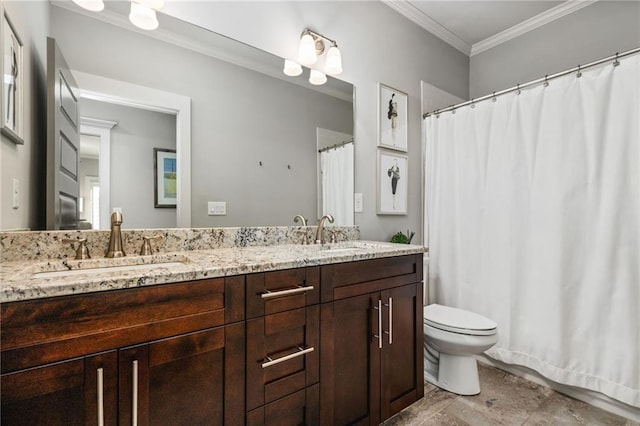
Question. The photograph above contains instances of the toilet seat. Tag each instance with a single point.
(458, 321)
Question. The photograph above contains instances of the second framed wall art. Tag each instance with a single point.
(392, 118)
(393, 182)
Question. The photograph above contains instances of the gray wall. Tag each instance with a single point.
(88, 167)
(26, 162)
(239, 119)
(377, 45)
(589, 34)
(131, 170)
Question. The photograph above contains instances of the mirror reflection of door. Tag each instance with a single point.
(62, 142)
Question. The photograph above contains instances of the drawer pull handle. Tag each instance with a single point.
(267, 294)
(379, 335)
(390, 332)
(134, 402)
(100, 385)
(301, 351)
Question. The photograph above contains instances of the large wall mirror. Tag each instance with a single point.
(245, 134)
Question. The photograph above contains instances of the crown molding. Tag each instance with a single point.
(530, 24)
(408, 10)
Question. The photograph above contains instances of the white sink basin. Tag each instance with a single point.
(67, 268)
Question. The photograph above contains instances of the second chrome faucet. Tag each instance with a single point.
(320, 231)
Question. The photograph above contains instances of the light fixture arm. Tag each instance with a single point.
(319, 40)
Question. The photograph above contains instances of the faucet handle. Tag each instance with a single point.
(146, 248)
(82, 252)
(305, 236)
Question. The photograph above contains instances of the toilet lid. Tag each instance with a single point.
(458, 320)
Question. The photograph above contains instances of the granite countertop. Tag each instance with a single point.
(33, 279)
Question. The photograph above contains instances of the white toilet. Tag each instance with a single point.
(451, 337)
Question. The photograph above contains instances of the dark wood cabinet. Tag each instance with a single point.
(371, 359)
(73, 392)
(170, 357)
(334, 345)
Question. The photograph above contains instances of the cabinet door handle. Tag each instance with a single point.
(301, 351)
(100, 387)
(299, 289)
(379, 335)
(134, 402)
(390, 332)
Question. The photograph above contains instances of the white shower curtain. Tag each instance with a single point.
(533, 221)
(336, 165)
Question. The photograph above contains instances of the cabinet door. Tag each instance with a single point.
(74, 392)
(401, 380)
(350, 361)
(192, 379)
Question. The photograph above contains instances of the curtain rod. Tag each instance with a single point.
(336, 146)
(544, 79)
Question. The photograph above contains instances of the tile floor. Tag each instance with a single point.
(505, 400)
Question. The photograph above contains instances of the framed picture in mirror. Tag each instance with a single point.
(12, 82)
(392, 118)
(393, 182)
(165, 178)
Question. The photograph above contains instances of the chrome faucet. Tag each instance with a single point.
(320, 231)
(115, 239)
(300, 218)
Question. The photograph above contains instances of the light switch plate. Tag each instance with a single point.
(357, 202)
(217, 208)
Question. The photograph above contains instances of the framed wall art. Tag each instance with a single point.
(165, 178)
(392, 118)
(12, 125)
(393, 182)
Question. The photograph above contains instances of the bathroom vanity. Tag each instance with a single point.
(285, 334)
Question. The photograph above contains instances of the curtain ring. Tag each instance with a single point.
(518, 89)
(579, 73)
(546, 81)
(616, 62)
(494, 97)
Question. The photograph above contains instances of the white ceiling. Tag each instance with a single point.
(473, 26)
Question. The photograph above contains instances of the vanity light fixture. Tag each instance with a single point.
(317, 77)
(292, 68)
(312, 45)
(143, 16)
(92, 5)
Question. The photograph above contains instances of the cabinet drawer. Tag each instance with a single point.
(282, 354)
(342, 280)
(300, 408)
(278, 291)
(41, 331)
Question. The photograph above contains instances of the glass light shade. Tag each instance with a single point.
(334, 61)
(143, 17)
(92, 5)
(317, 78)
(292, 68)
(307, 50)
(151, 4)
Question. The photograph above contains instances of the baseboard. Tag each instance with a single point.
(596, 399)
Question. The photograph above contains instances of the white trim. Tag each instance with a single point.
(409, 11)
(101, 129)
(123, 93)
(530, 24)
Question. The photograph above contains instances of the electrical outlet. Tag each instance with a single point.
(217, 208)
(357, 202)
